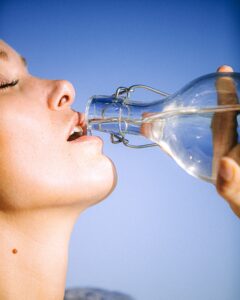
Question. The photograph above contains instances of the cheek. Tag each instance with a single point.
(25, 168)
(37, 170)
(42, 173)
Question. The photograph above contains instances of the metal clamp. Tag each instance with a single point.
(120, 138)
(127, 90)
(116, 139)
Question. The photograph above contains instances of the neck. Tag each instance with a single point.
(34, 253)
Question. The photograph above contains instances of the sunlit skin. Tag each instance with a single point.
(228, 178)
(46, 182)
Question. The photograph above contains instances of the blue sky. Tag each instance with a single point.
(162, 234)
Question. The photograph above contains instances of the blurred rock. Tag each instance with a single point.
(94, 294)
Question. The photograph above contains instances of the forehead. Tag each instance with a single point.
(8, 49)
(7, 53)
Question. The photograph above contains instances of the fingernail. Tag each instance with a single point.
(225, 68)
(226, 172)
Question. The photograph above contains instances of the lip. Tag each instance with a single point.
(78, 119)
(88, 138)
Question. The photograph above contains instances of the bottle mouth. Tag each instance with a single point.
(88, 115)
(106, 114)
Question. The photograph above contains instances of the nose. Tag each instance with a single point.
(61, 95)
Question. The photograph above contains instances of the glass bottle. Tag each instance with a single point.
(196, 126)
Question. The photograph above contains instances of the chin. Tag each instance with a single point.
(107, 182)
(110, 180)
(97, 184)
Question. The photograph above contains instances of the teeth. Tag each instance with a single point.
(77, 129)
(76, 133)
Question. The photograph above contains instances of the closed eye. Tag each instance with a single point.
(5, 85)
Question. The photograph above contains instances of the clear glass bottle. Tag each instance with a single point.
(196, 126)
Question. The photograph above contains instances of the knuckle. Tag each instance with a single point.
(223, 187)
(229, 191)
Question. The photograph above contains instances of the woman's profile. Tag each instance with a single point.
(47, 179)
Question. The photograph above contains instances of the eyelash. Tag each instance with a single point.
(5, 85)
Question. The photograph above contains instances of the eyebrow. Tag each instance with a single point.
(4, 56)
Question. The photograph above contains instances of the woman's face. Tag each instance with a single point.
(38, 166)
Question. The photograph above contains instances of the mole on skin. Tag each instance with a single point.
(14, 251)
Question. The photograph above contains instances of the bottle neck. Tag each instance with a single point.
(118, 116)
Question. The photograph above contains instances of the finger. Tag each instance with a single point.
(225, 86)
(151, 129)
(228, 183)
(146, 128)
(224, 124)
(225, 68)
(235, 154)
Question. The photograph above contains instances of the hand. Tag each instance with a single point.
(226, 149)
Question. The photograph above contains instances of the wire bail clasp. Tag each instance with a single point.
(125, 93)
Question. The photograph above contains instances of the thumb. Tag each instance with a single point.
(228, 183)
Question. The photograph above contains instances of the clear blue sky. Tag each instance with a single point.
(162, 234)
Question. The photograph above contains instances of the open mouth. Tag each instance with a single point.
(77, 127)
(76, 133)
